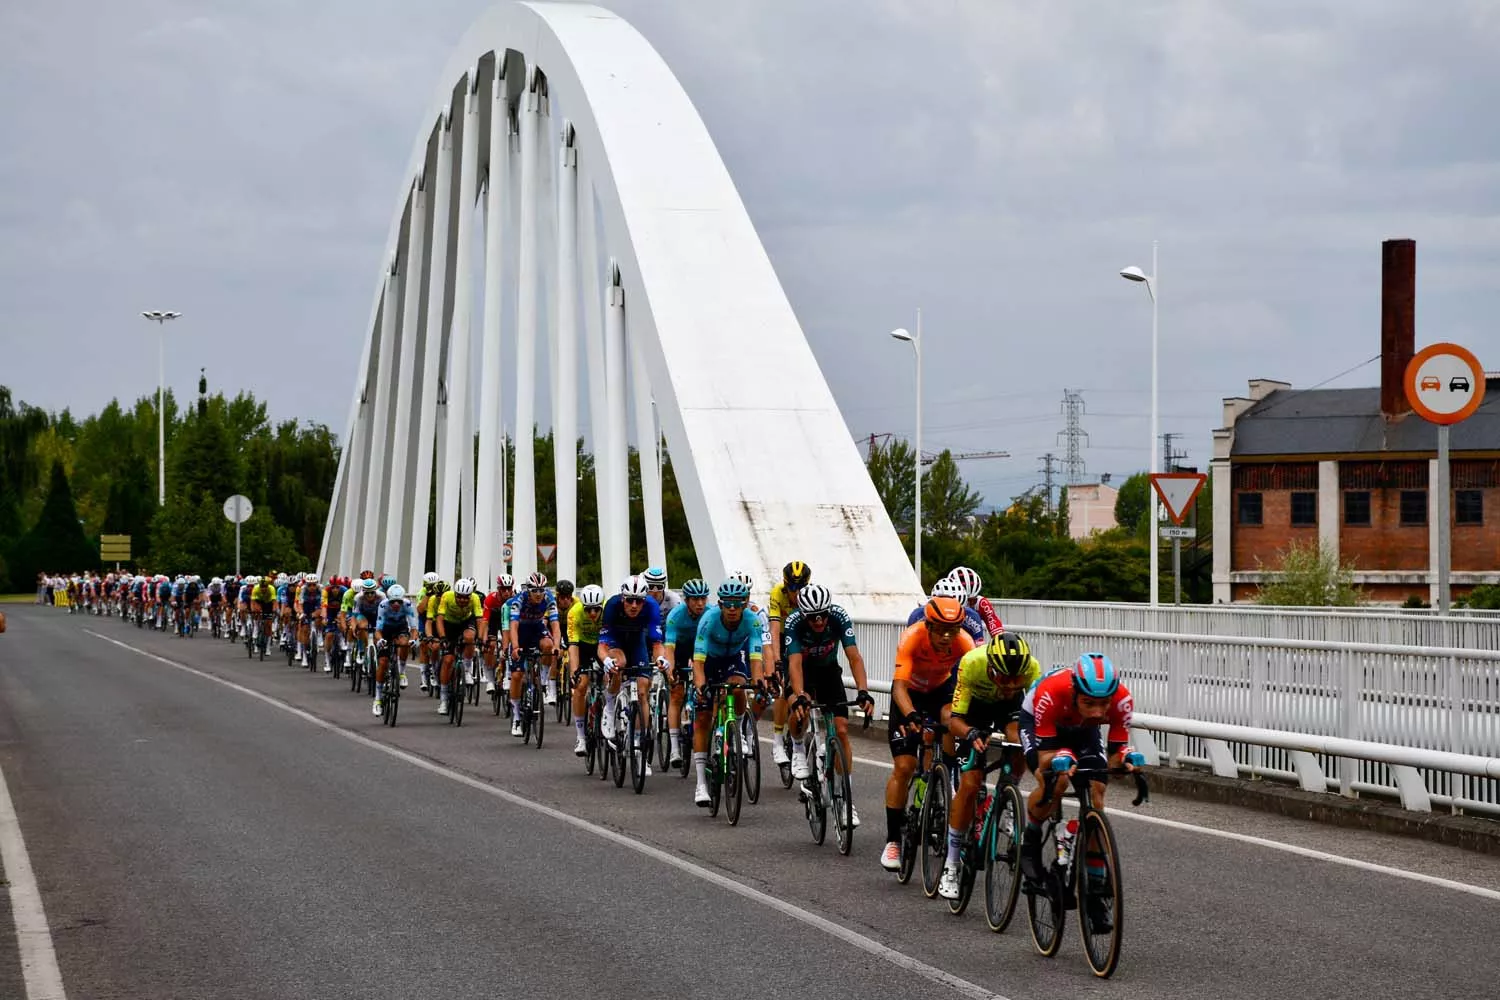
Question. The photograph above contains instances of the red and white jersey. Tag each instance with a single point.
(1050, 702)
(986, 611)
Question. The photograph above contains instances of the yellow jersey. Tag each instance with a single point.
(974, 682)
(782, 603)
(455, 610)
(581, 628)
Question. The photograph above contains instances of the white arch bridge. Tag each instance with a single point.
(567, 172)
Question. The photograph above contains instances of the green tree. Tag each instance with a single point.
(1311, 576)
(948, 504)
(1132, 503)
(56, 542)
(1101, 569)
(890, 468)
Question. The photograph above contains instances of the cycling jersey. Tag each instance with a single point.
(347, 605)
(975, 685)
(818, 649)
(497, 609)
(281, 594)
(631, 635)
(973, 623)
(456, 610)
(922, 667)
(715, 638)
(367, 604)
(311, 599)
(781, 604)
(401, 614)
(263, 593)
(582, 628)
(524, 613)
(333, 598)
(682, 628)
(1050, 713)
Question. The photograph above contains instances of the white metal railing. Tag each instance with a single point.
(1403, 627)
(1419, 700)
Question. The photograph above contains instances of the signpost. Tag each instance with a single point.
(114, 548)
(1177, 490)
(238, 509)
(1444, 385)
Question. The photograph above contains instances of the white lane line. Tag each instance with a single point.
(866, 944)
(1275, 845)
(39, 969)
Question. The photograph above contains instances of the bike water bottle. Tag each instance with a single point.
(981, 812)
(1065, 841)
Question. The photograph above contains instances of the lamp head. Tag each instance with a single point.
(1133, 273)
(901, 333)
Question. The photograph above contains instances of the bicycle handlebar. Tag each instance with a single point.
(1097, 775)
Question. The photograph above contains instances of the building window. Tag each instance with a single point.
(1304, 509)
(1250, 508)
(1413, 508)
(1357, 508)
(1468, 506)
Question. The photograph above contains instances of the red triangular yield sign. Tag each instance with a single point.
(1177, 490)
(545, 551)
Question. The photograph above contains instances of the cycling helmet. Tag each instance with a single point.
(506, 582)
(1007, 655)
(949, 587)
(250, 581)
(695, 588)
(814, 599)
(734, 590)
(968, 579)
(536, 581)
(216, 582)
(564, 588)
(655, 576)
(396, 593)
(633, 586)
(592, 596)
(429, 579)
(1094, 676)
(387, 582)
(368, 585)
(367, 574)
(282, 580)
(311, 579)
(463, 587)
(796, 574)
(943, 611)
(740, 575)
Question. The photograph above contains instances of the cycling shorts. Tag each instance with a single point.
(1086, 742)
(718, 669)
(455, 631)
(390, 631)
(825, 686)
(929, 705)
(529, 634)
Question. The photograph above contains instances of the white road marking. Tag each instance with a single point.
(39, 971)
(1275, 845)
(866, 944)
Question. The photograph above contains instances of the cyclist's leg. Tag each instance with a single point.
(580, 692)
(676, 698)
(549, 658)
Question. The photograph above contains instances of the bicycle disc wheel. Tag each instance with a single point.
(1001, 852)
(734, 775)
(840, 798)
(1096, 839)
(1045, 910)
(636, 747)
(934, 830)
(751, 759)
(816, 804)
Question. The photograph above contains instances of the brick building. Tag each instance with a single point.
(1352, 469)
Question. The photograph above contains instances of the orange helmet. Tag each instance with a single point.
(944, 611)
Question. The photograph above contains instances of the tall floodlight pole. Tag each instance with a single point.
(160, 317)
(916, 343)
(1135, 274)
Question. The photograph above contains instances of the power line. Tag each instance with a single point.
(1047, 461)
(1075, 436)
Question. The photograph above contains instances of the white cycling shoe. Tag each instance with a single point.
(778, 752)
(800, 770)
(580, 748)
(701, 796)
(890, 858)
(948, 884)
(376, 709)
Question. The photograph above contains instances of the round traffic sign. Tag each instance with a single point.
(506, 552)
(1444, 383)
(238, 508)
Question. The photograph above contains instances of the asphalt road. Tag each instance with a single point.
(192, 840)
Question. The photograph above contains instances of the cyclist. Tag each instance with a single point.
(630, 640)
(427, 610)
(992, 681)
(216, 602)
(333, 600)
(459, 616)
(192, 600)
(927, 656)
(420, 602)
(1061, 720)
(975, 600)
(533, 625)
(364, 608)
(262, 602)
(782, 602)
(397, 627)
(681, 633)
(727, 644)
(949, 587)
(814, 634)
(584, 620)
(309, 607)
(656, 587)
(284, 603)
(497, 623)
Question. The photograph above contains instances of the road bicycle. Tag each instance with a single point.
(533, 714)
(390, 691)
(992, 842)
(725, 769)
(595, 750)
(1097, 894)
(925, 827)
(826, 789)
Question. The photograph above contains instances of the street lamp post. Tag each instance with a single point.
(916, 343)
(1151, 281)
(160, 317)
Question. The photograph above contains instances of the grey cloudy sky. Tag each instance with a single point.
(993, 161)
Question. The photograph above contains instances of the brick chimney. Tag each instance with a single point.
(1398, 322)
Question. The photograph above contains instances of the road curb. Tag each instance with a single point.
(1471, 833)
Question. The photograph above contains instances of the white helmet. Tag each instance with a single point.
(740, 575)
(396, 593)
(463, 587)
(506, 582)
(949, 587)
(428, 579)
(217, 581)
(252, 580)
(311, 579)
(968, 579)
(591, 596)
(368, 585)
(281, 579)
(633, 586)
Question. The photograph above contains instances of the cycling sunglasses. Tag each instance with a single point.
(732, 605)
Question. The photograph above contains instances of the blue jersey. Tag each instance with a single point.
(244, 593)
(632, 635)
(717, 639)
(281, 594)
(523, 612)
(682, 627)
(312, 598)
(403, 613)
(973, 624)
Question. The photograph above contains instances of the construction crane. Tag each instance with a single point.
(961, 456)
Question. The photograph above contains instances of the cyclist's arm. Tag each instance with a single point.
(857, 668)
(901, 697)
(794, 673)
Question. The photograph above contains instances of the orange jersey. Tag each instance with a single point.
(922, 667)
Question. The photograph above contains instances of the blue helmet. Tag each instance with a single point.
(1094, 676)
(695, 588)
(655, 576)
(734, 590)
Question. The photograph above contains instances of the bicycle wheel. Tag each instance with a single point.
(526, 712)
(497, 696)
(814, 802)
(967, 856)
(1001, 851)
(1045, 910)
(840, 796)
(734, 775)
(635, 745)
(750, 737)
(590, 734)
(312, 655)
(1100, 898)
(662, 730)
(715, 773)
(564, 702)
(617, 748)
(539, 715)
(934, 830)
(356, 664)
(911, 828)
